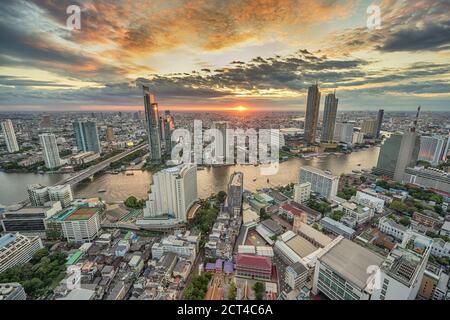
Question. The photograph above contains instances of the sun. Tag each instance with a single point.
(240, 108)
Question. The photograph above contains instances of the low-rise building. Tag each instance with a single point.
(302, 192)
(254, 267)
(296, 275)
(337, 228)
(392, 228)
(12, 291)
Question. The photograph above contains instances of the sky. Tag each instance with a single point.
(216, 55)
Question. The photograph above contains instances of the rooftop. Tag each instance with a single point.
(75, 214)
(351, 261)
(301, 246)
(7, 239)
(254, 261)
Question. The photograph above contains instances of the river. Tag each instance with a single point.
(210, 180)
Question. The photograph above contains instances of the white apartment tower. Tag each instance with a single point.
(321, 182)
(50, 150)
(173, 192)
(61, 193)
(302, 192)
(10, 136)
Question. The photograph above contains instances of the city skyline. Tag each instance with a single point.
(252, 56)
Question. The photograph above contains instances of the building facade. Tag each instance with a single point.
(312, 113)
(302, 192)
(10, 136)
(86, 135)
(17, 249)
(329, 117)
(50, 150)
(152, 122)
(321, 182)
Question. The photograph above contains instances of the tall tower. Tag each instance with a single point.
(329, 117)
(409, 150)
(50, 150)
(379, 123)
(86, 135)
(169, 126)
(312, 113)
(152, 121)
(10, 136)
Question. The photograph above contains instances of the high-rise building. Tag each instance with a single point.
(62, 193)
(302, 192)
(434, 149)
(86, 135)
(220, 141)
(408, 153)
(343, 132)
(369, 127)
(152, 122)
(10, 136)
(387, 159)
(110, 134)
(50, 150)
(168, 127)
(173, 192)
(321, 182)
(312, 113)
(329, 117)
(380, 117)
(17, 249)
(235, 193)
(38, 194)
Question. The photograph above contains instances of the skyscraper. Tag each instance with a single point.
(312, 113)
(10, 136)
(152, 121)
(329, 117)
(50, 150)
(220, 139)
(235, 193)
(369, 127)
(409, 150)
(86, 135)
(379, 123)
(174, 190)
(387, 159)
(169, 126)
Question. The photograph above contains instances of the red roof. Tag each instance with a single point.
(246, 260)
(292, 210)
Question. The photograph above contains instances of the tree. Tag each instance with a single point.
(41, 253)
(134, 203)
(337, 215)
(258, 288)
(221, 196)
(263, 215)
(232, 292)
(405, 221)
(399, 206)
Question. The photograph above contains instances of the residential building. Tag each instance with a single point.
(152, 122)
(369, 198)
(86, 136)
(355, 214)
(408, 154)
(434, 149)
(343, 132)
(321, 182)
(62, 193)
(10, 136)
(312, 113)
(358, 138)
(329, 117)
(50, 150)
(12, 291)
(186, 246)
(370, 127)
(168, 127)
(235, 193)
(174, 191)
(38, 195)
(302, 192)
(17, 249)
(220, 142)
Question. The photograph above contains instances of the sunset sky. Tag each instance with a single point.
(217, 54)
